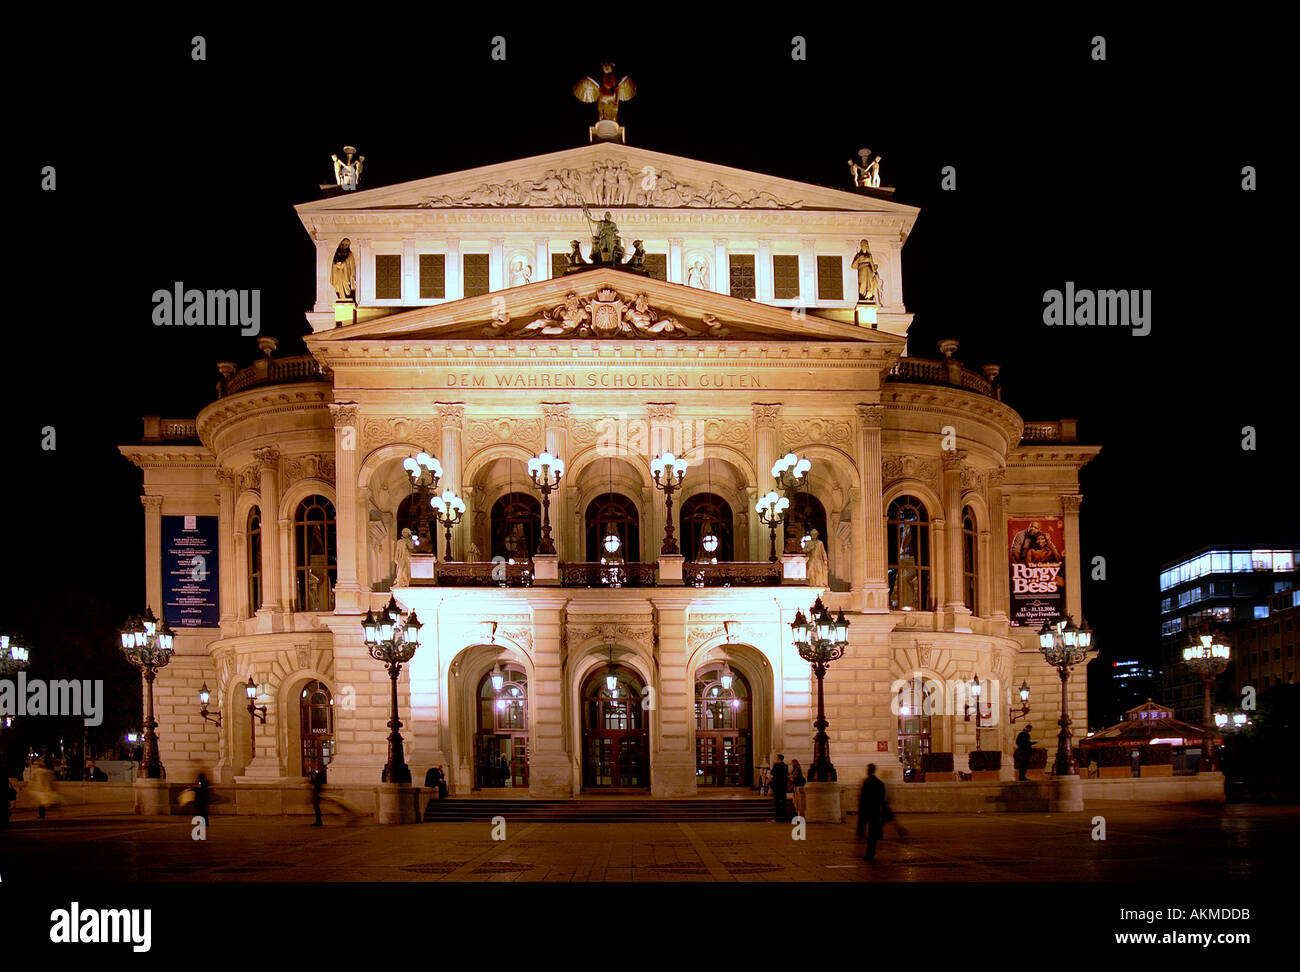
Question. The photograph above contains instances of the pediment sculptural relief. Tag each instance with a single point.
(610, 184)
(606, 314)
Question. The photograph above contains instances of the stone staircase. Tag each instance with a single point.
(637, 809)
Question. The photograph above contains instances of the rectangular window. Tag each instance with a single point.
(559, 263)
(785, 277)
(742, 276)
(433, 275)
(657, 265)
(830, 278)
(388, 276)
(475, 270)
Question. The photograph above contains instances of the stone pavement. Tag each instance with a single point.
(1144, 842)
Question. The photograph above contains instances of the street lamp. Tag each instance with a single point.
(1064, 645)
(975, 689)
(1208, 659)
(546, 471)
(448, 510)
(771, 511)
(149, 645)
(392, 637)
(820, 640)
(14, 658)
(790, 472)
(204, 696)
(668, 471)
(1015, 716)
(255, 712)
(425, 472)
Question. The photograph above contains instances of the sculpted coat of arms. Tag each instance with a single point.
(606, 314)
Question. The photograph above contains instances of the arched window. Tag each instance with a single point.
(909, 555)
(969, 561)
(613, 515)
(253, 534)
(516, 526)
(805, 514)
(316, 713)
(501, 751)
(706, 516)
(315, 564)
(408, 516)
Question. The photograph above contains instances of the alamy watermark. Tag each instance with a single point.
(1098, 308)
(208, 308)
(25, 696)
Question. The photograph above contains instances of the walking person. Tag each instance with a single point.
(1024, 746)
(871, 810)
(779, 783)
(317, 785)
(44, 792)
(442, 783)
(202, 798)
(797, 783)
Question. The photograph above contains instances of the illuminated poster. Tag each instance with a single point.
(189, 571)
(1036, 555)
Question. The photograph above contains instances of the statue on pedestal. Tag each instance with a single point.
(818, 567)
(405, 547)
(343, 272)
(347, 174)
(866, 175)
(606, 93)
(868, 274)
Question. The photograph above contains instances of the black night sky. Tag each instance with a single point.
(1120, 174)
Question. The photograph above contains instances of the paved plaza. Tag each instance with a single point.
(1164, 844)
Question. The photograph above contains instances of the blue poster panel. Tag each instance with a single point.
(189, 571)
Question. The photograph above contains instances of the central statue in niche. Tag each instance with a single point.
(606, 248)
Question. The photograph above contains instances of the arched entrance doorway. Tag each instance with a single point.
(316, 718)
(501, 743)
(723, 745)
(615, 731)
(916, 702)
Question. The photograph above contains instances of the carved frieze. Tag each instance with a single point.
(249, 478)
(908, 467)
(525, 432)
(608, 183)
(627, 633)
(312, 466)
(376, 432)
(816, 430)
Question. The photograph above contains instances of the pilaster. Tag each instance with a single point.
(1073, 556)
(871, 565)
(153, 553)
(347, 591)
(268, 468)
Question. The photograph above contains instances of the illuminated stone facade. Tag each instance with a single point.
(606, 369)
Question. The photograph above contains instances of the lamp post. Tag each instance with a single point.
(392, 637)
(975, 693)
(820, 640)
(790, 471)
(425, 472)
(1064, 645)
(771, 511)
(546, 470)
(1208, 659)
(668, 471)
(148, 645)
(255, 712)
(14, 658)
(1014, 716)
(448, 510)
(204, 696)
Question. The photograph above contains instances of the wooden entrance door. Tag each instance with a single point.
(615, 733)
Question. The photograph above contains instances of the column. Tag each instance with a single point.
(324, 263)
(1073, 559)
(870, 563)
(497, 265)
(153, 553)
(672, 769)
(999, 600)
(661, 441)
(452, 419)
(952, 460)
(721, 270)
(763, 271)
(227, 560)
(410, 272)
(347, 591)
(551, 767)
(676, 270)
(455, 287)
(268, 467)
(543, 260)
(766, 447)
(892, 299)
(555, 421)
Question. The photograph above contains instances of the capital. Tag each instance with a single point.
(152, 504)
(871, 416)
(344, 414)
(765, 416)
(952, 459)
(1070, 502)
(997, 477)
(661, 412)
(556, 413)
(266, 459)
(451, 415)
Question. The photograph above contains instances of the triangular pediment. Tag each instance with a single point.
(598, 305)
(607, 174)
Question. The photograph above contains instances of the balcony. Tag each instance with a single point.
(271, 371)
(604, 576)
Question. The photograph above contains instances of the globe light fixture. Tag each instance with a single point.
(790, 472)
(448, 509)
(545, 471)
(425, 472)
(668, 471)
(149, 645)
(392, 637)
(820, 639)
(771, 512)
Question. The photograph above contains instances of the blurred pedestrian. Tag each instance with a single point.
(797, 783)
(871, 808)
(442, 783)
(43, 790)
(1024, 746)
(779, 782)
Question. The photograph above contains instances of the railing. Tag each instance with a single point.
(276, 371)
(452, 573)
(169, 430)
(947, 372)
(590, 574)
(733, 574)
(1064, 430)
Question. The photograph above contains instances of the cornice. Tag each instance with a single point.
(782, 222)
(925, 398)
(171, 456)
(266, 400)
